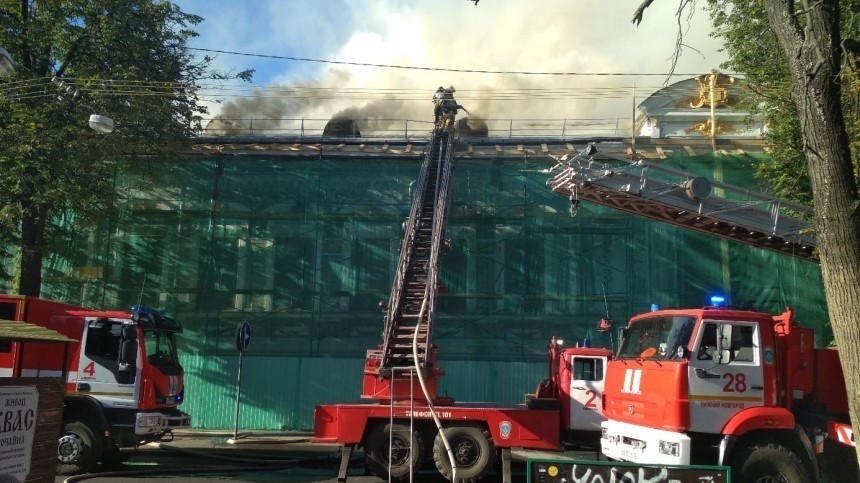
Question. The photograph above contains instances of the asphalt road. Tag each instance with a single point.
(210, 459)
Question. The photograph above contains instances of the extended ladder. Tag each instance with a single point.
(694, 202)
(413, 294)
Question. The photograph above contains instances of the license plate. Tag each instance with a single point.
(629, 454)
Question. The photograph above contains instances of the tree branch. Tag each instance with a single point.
(637, 15)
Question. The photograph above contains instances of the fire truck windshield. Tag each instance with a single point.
(161, 348)
(657, 337)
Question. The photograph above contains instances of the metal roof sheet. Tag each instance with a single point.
(22, 331)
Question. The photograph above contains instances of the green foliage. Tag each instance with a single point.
(126, 59)
(753, 49)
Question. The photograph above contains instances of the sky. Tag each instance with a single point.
(526, 50)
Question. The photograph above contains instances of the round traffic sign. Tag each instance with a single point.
(243, 336)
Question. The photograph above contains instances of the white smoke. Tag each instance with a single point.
(561, 36)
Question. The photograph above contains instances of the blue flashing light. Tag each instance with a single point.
(717, 300)
(144, 309)
(141, 309)
(655, 307)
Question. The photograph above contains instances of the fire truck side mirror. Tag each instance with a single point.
(723, 354)
(129, 332)
(127, 355)
(622, 334)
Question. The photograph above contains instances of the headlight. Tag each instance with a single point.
(608, 436)
(669, 448)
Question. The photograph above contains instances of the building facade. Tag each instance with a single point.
(300, 237)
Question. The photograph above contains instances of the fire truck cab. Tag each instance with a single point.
(727, 387)
(124, 382)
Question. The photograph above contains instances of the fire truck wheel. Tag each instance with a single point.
(768, 462)
(474, 453)
(78, 449)
(376, 449)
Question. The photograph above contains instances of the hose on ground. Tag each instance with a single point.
(248, 465)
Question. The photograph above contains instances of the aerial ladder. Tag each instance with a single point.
(695, 202)
(411, 308)
(635, 186)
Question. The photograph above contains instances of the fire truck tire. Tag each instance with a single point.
(78, 449)
(765, 462)
(474, 453)
(401, 438)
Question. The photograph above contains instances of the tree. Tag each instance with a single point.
(127, 59)
(809, 38)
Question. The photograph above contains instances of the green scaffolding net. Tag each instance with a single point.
(305, 249)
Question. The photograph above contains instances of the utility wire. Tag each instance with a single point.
(35, 89)
(437, 69)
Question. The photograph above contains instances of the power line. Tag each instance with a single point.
(440, 69)
(37, 88)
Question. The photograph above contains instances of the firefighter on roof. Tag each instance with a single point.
(437, 104)
(449, 108)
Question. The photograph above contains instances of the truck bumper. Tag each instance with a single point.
(157, 422)
(640, 444)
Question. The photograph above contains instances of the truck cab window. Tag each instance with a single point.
(708, 343)
(743, 349)
(587, 369)
(104, 341)
(657, 337)
(161, 350)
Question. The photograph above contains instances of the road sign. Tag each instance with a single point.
(243, 336)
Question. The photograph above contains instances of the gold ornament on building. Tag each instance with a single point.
(705, 128)
(713, 90)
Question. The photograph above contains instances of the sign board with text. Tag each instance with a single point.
(569, 471)
(19, 408)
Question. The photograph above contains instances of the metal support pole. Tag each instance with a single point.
(506, 465)
(633, 122)
(345, 455)
(236, 435)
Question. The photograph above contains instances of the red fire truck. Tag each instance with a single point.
(124, 381)
(396, 427)
(727, 387)
(717, 386)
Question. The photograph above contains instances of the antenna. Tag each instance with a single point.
(605, 324)
(605, 302)
(142, 285)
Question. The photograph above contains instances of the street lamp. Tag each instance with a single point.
(7, 65)
(101, 123)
